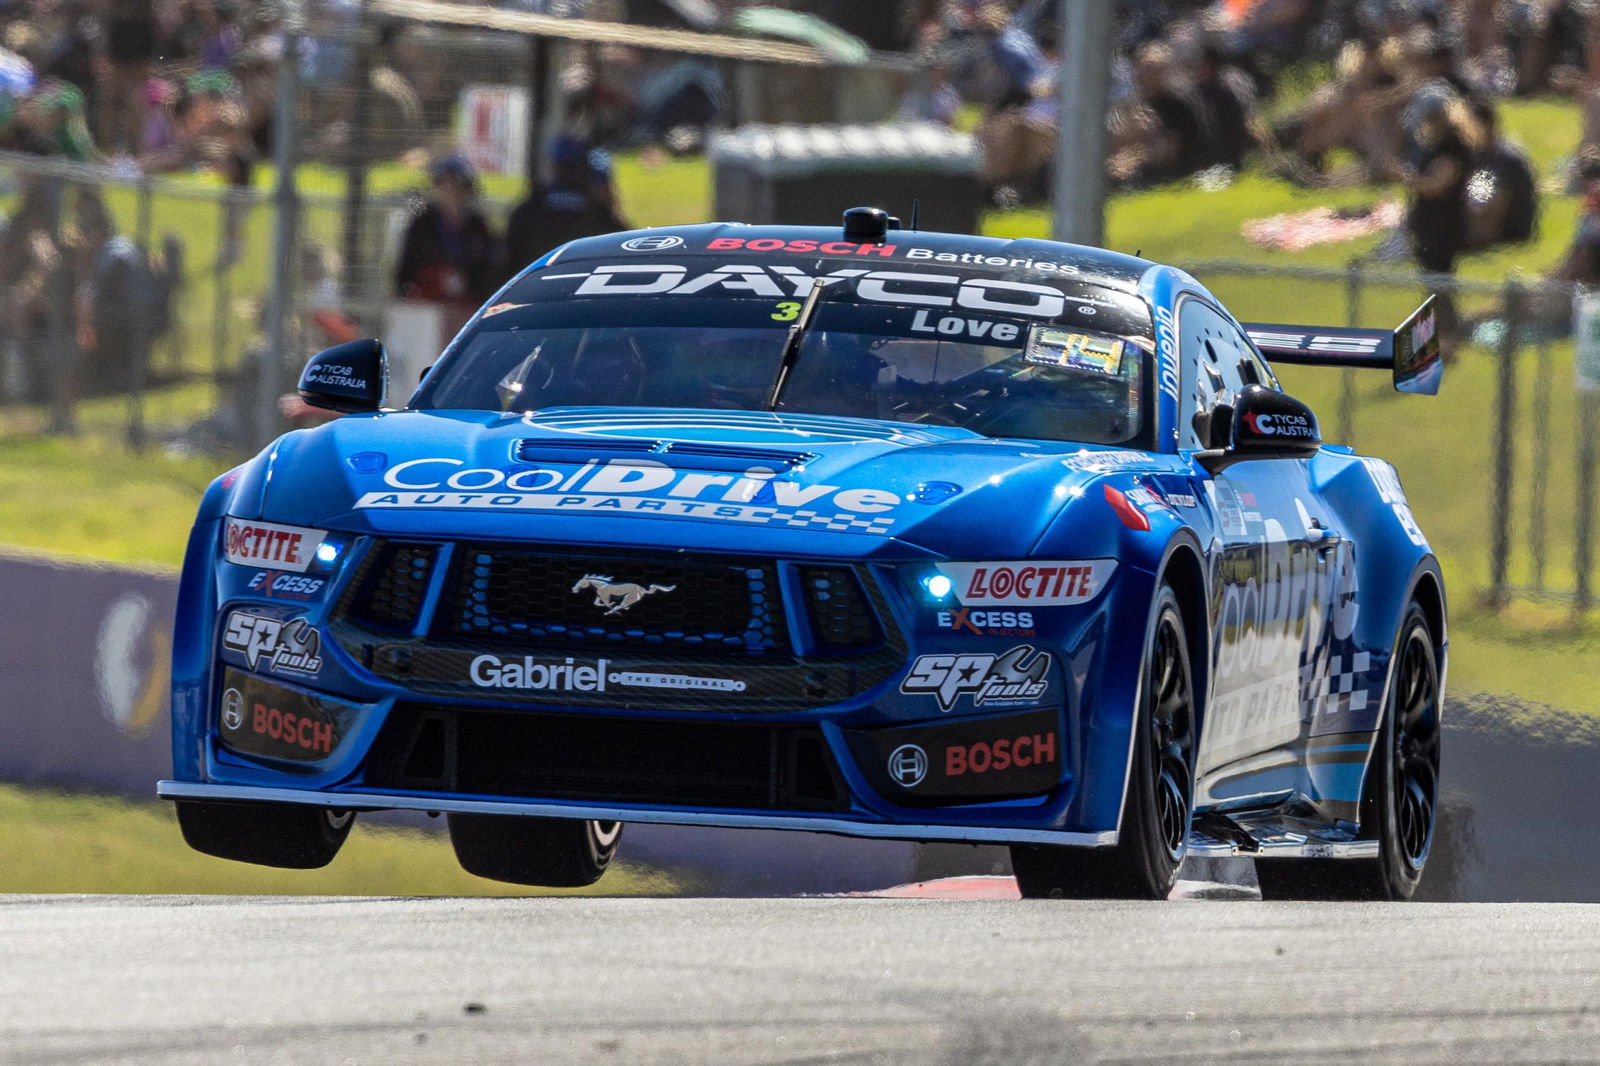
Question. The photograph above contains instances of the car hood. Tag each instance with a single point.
(696, 479)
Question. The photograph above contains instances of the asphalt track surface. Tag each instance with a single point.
(935, 982)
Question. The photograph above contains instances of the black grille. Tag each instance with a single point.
(841, 620)
(685, 605)
(605, 760)
(390, 591)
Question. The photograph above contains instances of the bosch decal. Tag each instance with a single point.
(908, 765)
(283, 647)
(270, 545)
(653, 244)
(1021, 675)
(800, 247)
(982, 757)
(1028, 583)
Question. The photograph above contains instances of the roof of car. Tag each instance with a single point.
(1024, 254)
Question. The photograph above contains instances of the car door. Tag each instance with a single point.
(1269, 581)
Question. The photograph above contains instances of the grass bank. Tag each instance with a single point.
(50, 842)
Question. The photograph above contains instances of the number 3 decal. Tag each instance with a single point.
(787, 311)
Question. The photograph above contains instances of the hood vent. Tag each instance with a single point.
(737, 457)
(560, 450)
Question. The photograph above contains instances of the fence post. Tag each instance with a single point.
(140, 331)
(1503, 429)
(1347, 376)
(1540, 466)
(286, 200)
(60, 342)
(1583, 550)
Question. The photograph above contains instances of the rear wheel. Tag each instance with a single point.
(1400, 802)
(267, 834)
(550, 852)
(1159, 805)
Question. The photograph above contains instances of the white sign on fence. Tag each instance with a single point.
(492, 127)
(1586, 340)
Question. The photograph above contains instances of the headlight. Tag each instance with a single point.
(297, 549)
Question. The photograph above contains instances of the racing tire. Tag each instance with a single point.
(266, 834)
(547, 852)
(1159, 804)
(1399, 805)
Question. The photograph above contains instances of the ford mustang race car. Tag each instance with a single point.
(865, 531)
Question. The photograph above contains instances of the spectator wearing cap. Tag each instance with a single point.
(577, 201)
(1581, 264)
(447, 255)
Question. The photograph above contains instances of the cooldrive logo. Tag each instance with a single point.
(639, 487)
(1021, 675)
(530, 675)
(269, 545)
(1028, 583)
(283, 647)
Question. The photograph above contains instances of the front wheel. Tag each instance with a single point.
(1158, 807)
(548, 852)
(267, 834)
(1399, 805)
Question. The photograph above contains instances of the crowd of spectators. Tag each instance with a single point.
(1357, 90)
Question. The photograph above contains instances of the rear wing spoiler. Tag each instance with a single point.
(1412, 351)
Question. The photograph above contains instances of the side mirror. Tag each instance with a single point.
(348, 377)
(1266, 425)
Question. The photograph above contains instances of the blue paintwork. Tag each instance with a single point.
(1292, 645)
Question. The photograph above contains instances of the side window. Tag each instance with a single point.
(1216, 362)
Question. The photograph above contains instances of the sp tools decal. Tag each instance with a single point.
(1018, 676)
(269, 545)
(616, 597)
(1029, 583)
(289, 646)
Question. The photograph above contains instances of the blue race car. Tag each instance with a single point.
(875, 532)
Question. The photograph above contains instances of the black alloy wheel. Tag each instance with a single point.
(1159, 804)
(522, 850)
(266, 834)
(1400, 804)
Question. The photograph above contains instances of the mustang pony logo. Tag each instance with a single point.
(613, 596)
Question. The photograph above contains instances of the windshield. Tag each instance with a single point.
(1056, 360)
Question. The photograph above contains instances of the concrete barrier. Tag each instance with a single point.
(84, 659)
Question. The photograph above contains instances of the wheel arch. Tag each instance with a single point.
(1183, 568)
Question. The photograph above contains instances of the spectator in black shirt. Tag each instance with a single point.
(447, 256)
(577, 201)
(1502, 195)
(1228, 108)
